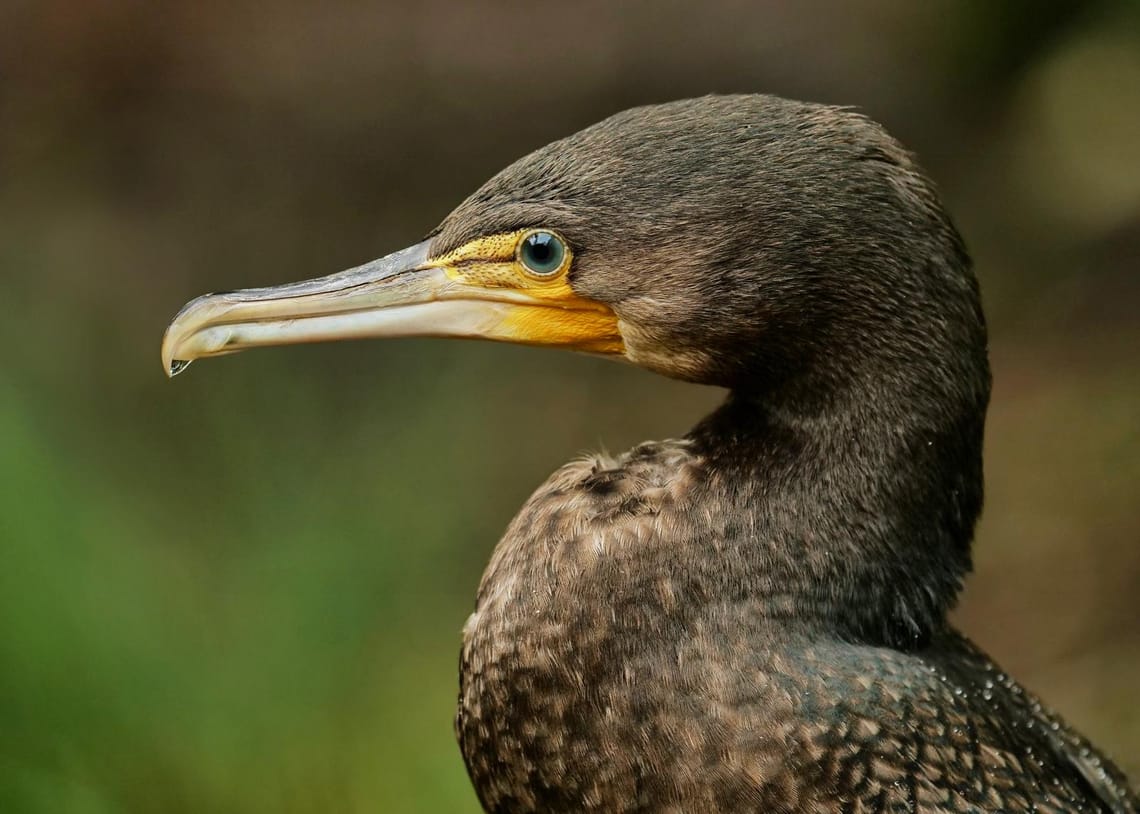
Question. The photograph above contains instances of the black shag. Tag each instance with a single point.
(751, 617)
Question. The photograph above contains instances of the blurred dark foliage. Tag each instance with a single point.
(242, 591)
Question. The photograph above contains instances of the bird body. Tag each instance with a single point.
(597, 677)
(751, 617)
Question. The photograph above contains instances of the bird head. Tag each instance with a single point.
(744, 241)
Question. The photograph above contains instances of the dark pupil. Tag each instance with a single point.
(542, 252)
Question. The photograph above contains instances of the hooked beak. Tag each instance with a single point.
(401, 295)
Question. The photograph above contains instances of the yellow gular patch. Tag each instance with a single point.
(546, 309)
(590, 331)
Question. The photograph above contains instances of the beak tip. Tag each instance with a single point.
(170, 365)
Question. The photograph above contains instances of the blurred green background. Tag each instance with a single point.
(242, 591)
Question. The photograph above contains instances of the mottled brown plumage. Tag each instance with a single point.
(752, 618)
(591, 682)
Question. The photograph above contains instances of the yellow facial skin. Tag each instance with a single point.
(555, 314)
(481, 290)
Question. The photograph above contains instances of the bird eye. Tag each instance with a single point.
(543, 253)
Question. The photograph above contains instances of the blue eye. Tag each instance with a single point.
(543, 253)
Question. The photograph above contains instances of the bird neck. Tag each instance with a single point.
(861, 514)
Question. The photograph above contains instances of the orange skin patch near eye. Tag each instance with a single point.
(547, 311)
(590, 331)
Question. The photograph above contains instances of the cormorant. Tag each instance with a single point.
(751, 617)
